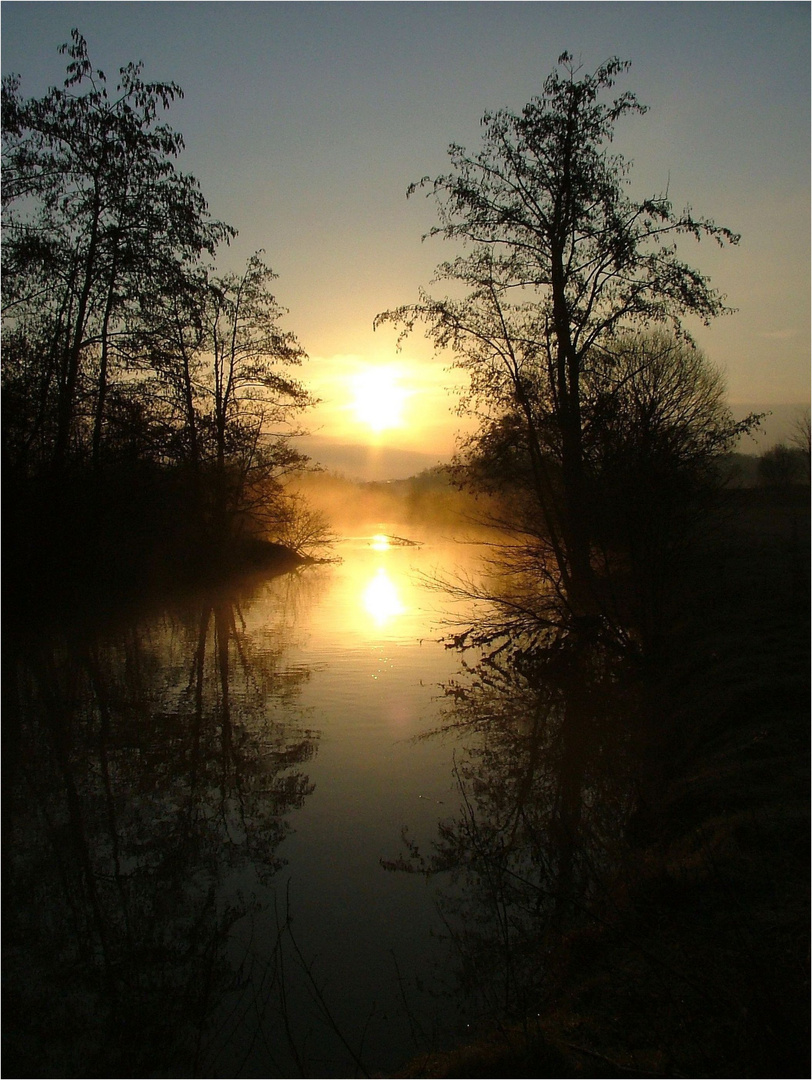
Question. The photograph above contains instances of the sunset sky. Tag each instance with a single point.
(305, 123)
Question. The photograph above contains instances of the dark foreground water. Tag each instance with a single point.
(197, 803)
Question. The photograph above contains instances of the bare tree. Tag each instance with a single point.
(559, 262)
(801, 438)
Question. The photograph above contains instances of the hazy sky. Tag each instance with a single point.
(305, 123)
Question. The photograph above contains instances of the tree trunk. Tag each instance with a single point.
(574, 526)
(101, 394)
(67, 403)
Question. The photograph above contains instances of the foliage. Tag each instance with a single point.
(782, 466)
(96, 216)
(220, 365)
(124, 353)
(657, 430)
(561, 264)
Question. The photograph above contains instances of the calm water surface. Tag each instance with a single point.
(197, 805)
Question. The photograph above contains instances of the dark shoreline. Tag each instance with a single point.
(67, 590)
(697, 960)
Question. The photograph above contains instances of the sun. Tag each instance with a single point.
(378, 399)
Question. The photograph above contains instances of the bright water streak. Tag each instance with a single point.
(368, 631)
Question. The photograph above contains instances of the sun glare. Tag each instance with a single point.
(378, 399)
(381, 599)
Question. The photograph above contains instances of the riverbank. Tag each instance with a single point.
(62, 581)
(694, 961)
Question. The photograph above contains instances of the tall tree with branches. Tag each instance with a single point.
(95, 217)
(223, 368)
(559, 263)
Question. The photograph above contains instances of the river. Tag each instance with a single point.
(199, 801)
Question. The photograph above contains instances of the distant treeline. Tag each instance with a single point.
(779, 467)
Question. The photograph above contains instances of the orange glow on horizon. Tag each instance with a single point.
(379, 401)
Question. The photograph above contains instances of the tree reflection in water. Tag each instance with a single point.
(148, 778)
(546, 778)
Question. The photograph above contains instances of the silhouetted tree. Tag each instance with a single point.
(124, 355)
(95, 217)
(250, 390)
(560, 261)
(801, 438)
(656, 427)
(781, 466)
(221, 367)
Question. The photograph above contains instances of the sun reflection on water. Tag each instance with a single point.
(380, 542)
(381, 599)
